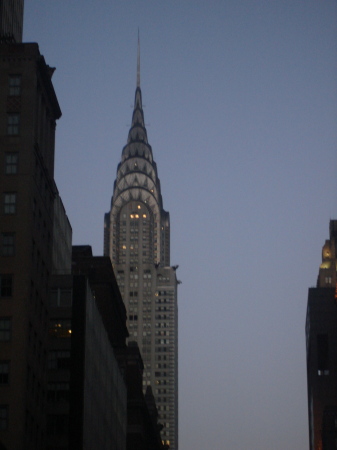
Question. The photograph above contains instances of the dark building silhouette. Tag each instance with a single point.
(11, 21)
(143, 429)
(321, 341)
(86, 390)
(29, 204)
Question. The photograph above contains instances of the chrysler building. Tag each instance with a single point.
(137, 239)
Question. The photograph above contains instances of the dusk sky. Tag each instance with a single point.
(240, 104)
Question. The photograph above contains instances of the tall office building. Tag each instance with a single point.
(29, 208)
(137, 239)
(11, 20)
(321, 341)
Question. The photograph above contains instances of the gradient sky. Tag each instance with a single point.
(241, 110)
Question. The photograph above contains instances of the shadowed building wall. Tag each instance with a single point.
(28, 113)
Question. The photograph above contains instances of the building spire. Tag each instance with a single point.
(138, 63)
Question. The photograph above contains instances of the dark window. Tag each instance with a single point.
(58, 391)
(10, 203)
(60, 298)
(8, 244)
(4, 372)
(5, 329)
(59, 359)
(57, 424)
(3, 417)
(11, 163)
(323, 354)
(6, 285)
(14, 85)
(13, 124)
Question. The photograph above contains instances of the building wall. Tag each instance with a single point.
(28, 114)
(86, 390)
(62, 239)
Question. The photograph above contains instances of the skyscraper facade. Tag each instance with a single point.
(28, 113)
(11, 20)
(137, 239)
(321, 341)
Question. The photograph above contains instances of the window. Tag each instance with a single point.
(58, 391)
(323, 354)
(59, 359)
(8, 244)
(13, 124)
(3, 417)
(10, 203)
(4, 372)
(14, 85)
(11, 163)
(6, 285)
(60, 298)
(5, 329)
(57, 424)
(60, 328)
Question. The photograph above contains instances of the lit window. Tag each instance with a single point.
(11, 163)
(138, 206)
(8, 244)
(6, 285)
(10, 203)
(13, 124)
(60, 328)
(14, 85)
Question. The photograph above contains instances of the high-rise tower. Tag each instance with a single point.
(321, 338)
(31, 211)
(137, 238)
(11, 20)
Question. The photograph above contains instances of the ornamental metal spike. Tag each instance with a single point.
(138, 62)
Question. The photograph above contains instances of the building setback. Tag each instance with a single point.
(321, 342)
(137, 239)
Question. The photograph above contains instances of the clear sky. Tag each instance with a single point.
(241, 110)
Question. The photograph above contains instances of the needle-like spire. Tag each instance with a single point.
(138, 63)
